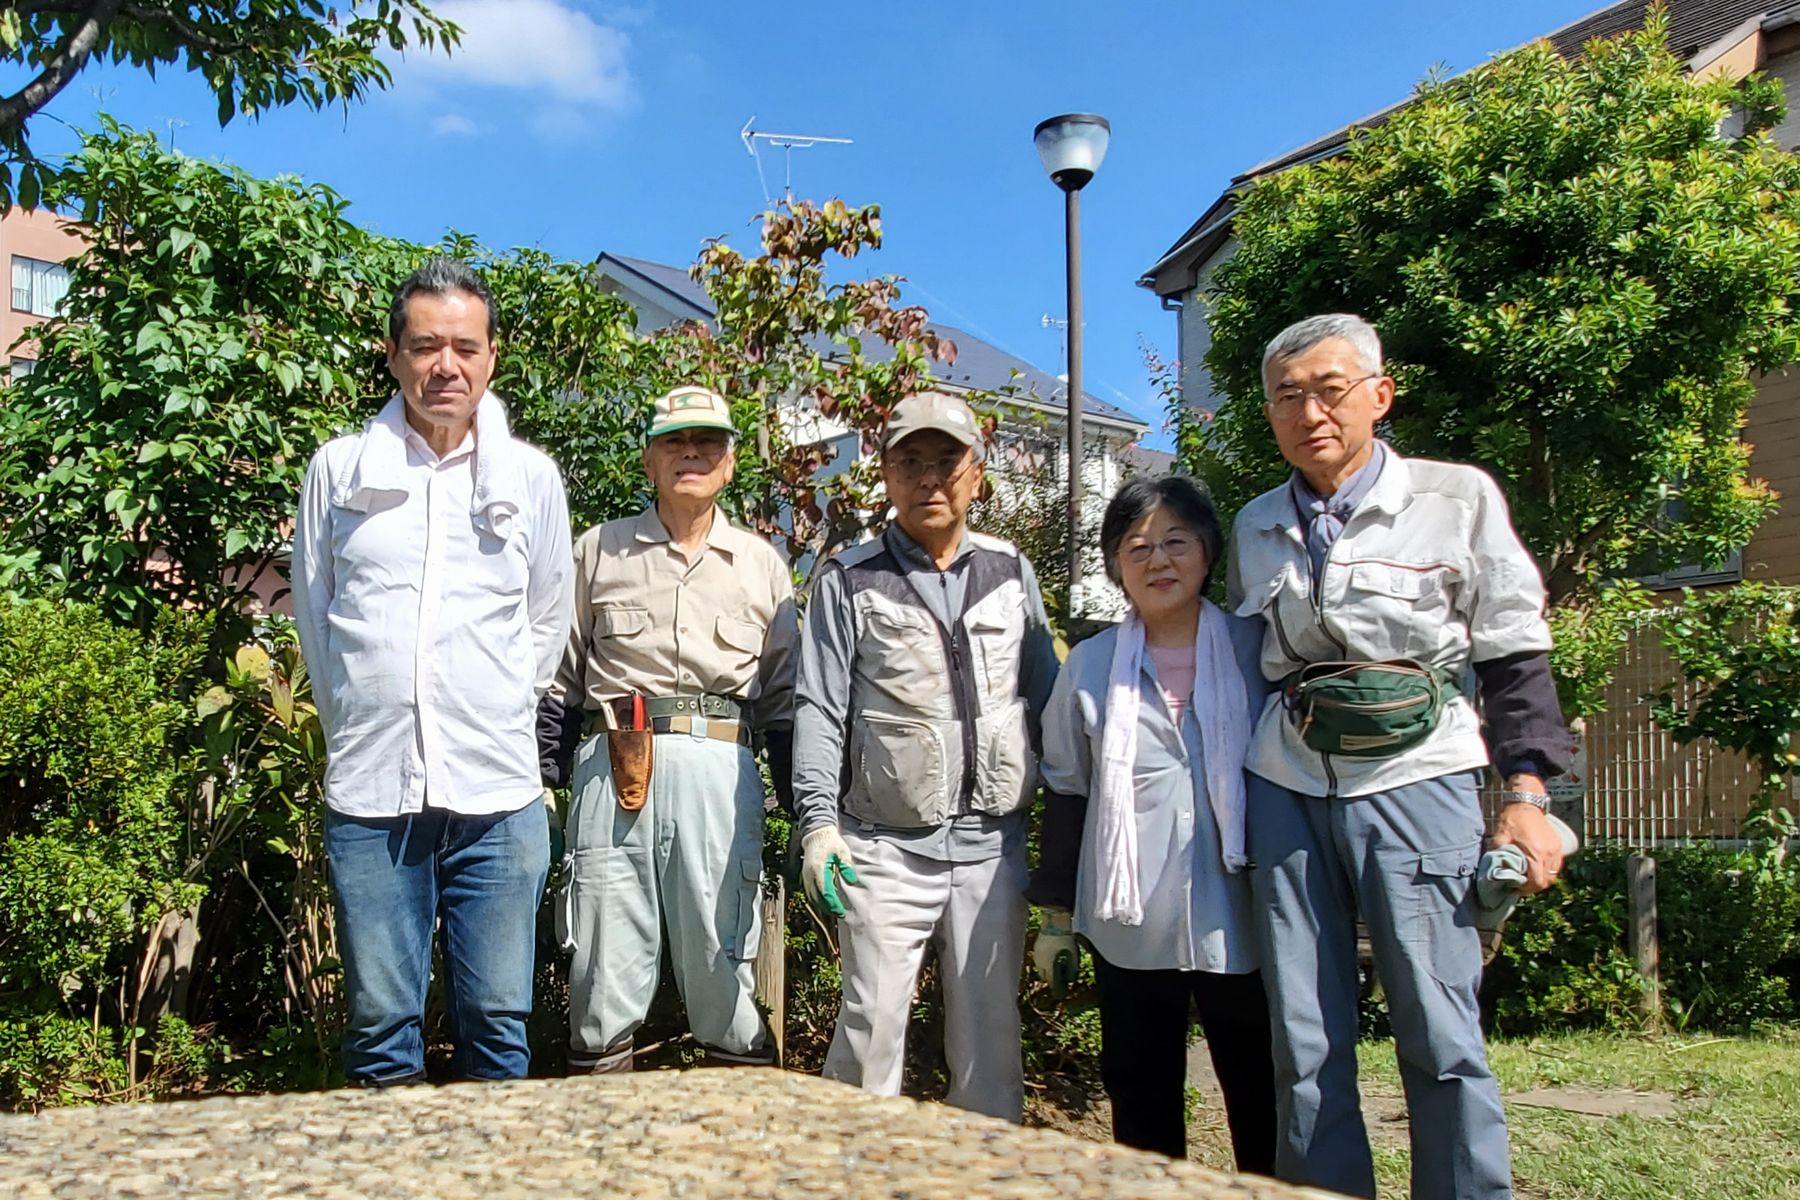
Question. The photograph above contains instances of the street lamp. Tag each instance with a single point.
(1072, 147)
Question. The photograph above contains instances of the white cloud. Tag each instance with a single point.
(455, 125)
(540, 46)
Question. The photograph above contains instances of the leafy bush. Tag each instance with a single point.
(92, 846)
(1727, 928)
(90, 833)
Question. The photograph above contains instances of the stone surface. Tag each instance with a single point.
(701, 1134)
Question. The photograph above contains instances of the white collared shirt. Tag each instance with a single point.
(433, 598)
(1427, 568)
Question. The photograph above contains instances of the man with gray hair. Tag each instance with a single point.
(432, 592)
(679, 666)
(925, 664)
(1384, 583)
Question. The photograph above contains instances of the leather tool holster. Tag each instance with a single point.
(631, 753)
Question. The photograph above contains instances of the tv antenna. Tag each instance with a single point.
(787, 143)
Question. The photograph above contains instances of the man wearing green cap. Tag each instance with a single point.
(925, 664)
(679, 663)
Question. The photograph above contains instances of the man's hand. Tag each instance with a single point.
(1527, 827)
(827, 868)
(1053, 954)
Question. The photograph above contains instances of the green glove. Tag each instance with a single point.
(827, 869)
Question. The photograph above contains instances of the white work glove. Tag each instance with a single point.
(1054, 957)
(827, 868)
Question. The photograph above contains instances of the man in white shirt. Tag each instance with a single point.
(432, 590)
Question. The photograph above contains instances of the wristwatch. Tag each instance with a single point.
(1537, 800)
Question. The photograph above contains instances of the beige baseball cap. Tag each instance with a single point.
(690, 408)
(934, 410)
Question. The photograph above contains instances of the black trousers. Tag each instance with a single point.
(1143, 1057)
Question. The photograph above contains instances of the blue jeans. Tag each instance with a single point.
(394, 879)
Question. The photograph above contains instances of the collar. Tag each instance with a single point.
(1391, 492)
(723, 536)
(381, 466)
(913, 555)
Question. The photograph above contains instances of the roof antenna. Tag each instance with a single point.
(786, 142)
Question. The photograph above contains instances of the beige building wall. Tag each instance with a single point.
(40, 237)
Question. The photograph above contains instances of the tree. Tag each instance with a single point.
(1739, 653)
(795, 352)
(218, 327)
(254, 57)
(1575, 267)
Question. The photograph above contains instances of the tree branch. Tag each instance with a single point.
(195, 37)
(1565, 576)
(63, 66)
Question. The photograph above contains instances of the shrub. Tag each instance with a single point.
(90, 833)
(1727, 931)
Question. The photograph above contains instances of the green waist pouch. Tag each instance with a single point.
(1367, 709)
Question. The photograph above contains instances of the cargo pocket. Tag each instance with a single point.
(1007, 772)
(1443, 934)
(899, 774)
(748, 935)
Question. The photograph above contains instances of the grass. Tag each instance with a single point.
(1735, 1135)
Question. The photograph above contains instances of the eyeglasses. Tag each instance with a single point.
(1290, 403)
(707, 443)
(947, 469)
(1177, 546)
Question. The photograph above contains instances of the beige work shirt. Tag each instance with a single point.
(647, 620)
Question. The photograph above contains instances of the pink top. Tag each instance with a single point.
(1175, 671)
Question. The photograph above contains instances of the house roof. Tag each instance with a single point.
(1694, 25)
(663, 280)
(979, 365)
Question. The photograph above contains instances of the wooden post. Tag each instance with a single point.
(1640, 888)
(771, 962)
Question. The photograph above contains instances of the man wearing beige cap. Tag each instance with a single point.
(680, 662)
(925, 663)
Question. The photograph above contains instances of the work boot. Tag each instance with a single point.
(614, 1061)
(716, 1057)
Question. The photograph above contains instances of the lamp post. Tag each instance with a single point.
(1071, 147)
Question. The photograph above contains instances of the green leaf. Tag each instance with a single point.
(213, 700)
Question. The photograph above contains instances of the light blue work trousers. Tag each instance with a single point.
(689, 865)
(1405, 859)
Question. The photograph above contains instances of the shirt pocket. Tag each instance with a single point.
(499, 564)
(621, 620)
(740, 645)
(1401, 608)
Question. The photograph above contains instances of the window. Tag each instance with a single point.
(38, 287)
(19, 368)
(1731, 570)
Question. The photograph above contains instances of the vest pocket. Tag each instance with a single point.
(897, 772)
(1006, 769)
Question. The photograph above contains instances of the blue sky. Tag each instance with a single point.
(583, 127)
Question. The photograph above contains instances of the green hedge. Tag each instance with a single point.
(1728, 925)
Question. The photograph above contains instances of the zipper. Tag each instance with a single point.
(1281, 636)
(963, 694)
(1381, 707)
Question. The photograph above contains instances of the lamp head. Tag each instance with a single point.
(1072, 147)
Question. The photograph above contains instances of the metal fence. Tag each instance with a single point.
(1642, 787)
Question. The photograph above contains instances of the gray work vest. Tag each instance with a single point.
(937, 725)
